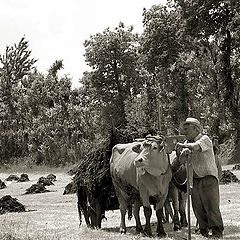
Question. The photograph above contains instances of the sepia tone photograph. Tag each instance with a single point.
(119, 119)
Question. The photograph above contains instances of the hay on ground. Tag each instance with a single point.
(23, 178)
(228, 177)
(51, 177)
(36, 188)
(44, 181)
(2, 184)
(236, 167)
(9, 204)
(12, 177)
(71, 188)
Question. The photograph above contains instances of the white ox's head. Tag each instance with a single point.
(152, 157)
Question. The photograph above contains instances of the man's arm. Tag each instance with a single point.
(191, 146)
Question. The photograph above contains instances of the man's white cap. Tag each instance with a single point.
(193, 121)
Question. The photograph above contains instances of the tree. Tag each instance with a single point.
(112, 55)
(219, 22)
(16, 63)
(161, 45)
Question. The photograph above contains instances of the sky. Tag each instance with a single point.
(57, 29)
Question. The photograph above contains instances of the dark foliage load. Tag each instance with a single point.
(12, 177)
(94, 171)
(36, 188)
(228, 177)
(9, 204)
(23, 178)
(51, 177)
(44, 181)
(71, 188)
(2, 184)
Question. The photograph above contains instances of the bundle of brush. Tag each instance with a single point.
(93, 171)
(9, 204)
(2, 184)
(228, 177)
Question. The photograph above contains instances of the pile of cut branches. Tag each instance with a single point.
(9, 204)
(93, 171)
(2, 184)
(228, 177)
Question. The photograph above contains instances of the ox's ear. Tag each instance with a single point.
(120, 149)
(137, 148)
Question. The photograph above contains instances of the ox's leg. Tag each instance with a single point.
(83, 204)
(136, 209)
(173, 192)
(123, 206)
(160, 230)
(168, 210)
(123, 211)
(182, 208)
(148, 213)
(159, 213)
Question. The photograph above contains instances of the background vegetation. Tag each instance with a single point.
(185, 63)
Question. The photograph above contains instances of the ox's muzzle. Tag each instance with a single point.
(138, 162)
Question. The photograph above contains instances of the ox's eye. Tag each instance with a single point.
(154, 148)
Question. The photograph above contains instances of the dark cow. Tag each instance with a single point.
(178, 194)
(141, 170)
(93, 206)
(90, 206)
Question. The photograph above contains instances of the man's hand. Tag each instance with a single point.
(184, 155)
(178, 149)
(185, 152)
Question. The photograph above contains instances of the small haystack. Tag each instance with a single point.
(9, 204)
(44, 181)
(23, 178)
(2, 184)
(12, 177)
(36, 188)
(236, 167)
(71, 188)
(52, 177)
(228, 177)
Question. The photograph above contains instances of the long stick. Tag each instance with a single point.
(188, 198)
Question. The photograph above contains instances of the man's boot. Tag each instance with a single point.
(204, 232)
(217, 233)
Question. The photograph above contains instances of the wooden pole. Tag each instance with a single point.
(188, 197)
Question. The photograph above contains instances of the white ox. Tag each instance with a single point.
(141, 170)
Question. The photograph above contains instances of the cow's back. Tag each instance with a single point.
(122, 167)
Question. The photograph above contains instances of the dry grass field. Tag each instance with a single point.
(54, 216)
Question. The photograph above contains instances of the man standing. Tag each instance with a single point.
(205, 191)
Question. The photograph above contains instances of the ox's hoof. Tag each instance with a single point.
(122, 230)
(139, 231)
(184, 224)
(147, 233)
(162, 235)
(176, 227)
